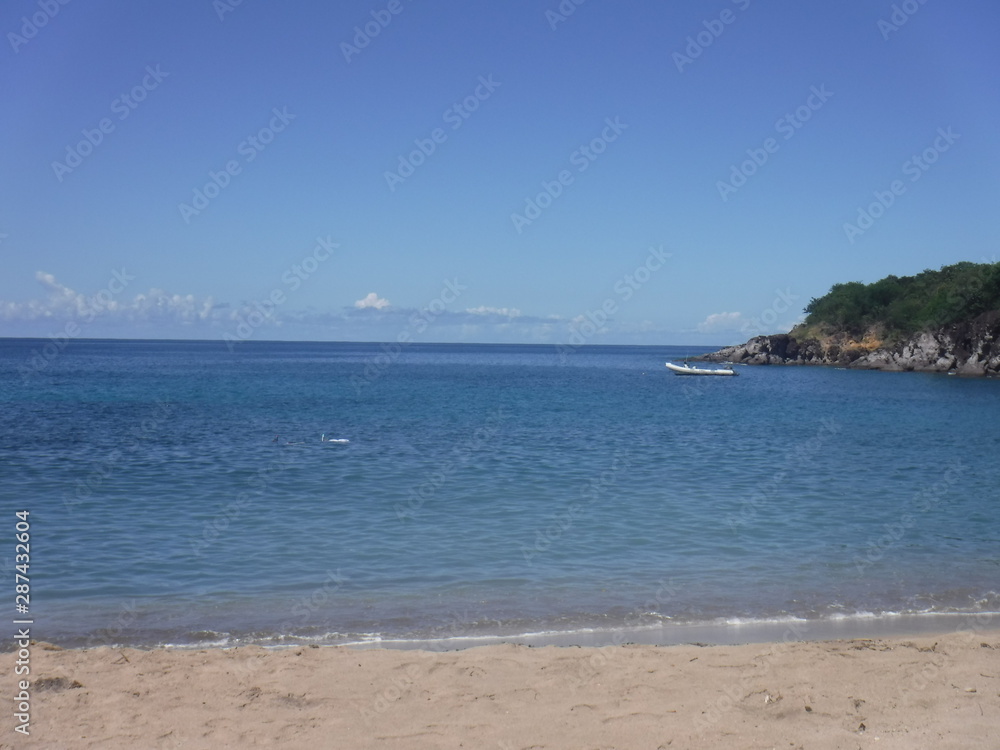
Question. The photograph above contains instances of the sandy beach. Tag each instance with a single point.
(940, 692)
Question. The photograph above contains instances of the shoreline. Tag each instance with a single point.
(727, 633)
(960, 349)
(665, 632)
(937, 689)
(730, 632)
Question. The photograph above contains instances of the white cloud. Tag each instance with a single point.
(721, 322)
(157, 304)
(109, 304)
(506, 312)
(122, 308)
(580, 321)
(372, 301)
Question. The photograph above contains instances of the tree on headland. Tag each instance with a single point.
(903, 305)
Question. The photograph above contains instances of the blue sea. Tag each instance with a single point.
(180, 492)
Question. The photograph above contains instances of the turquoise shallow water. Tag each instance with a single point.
(486, 489)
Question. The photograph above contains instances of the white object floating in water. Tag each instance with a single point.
(339, 441)
(686, 369)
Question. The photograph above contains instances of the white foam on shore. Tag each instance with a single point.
(722, 631)
(666, 632)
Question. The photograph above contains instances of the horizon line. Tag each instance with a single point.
(373, 343)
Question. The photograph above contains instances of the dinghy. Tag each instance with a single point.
(686, 369)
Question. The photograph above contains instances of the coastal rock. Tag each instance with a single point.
(778, 349)
(925, 352)
(967, 348)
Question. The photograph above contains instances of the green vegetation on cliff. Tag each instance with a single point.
(899, 306)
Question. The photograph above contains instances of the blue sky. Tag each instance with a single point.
(607, 173)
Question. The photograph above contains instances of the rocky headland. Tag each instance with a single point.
(935, 321)
(970, 347)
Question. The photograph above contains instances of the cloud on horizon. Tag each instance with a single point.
(116, 311)
(494, 312)
(62, 302)
(113, 307)
(724, 322)
(372, 301)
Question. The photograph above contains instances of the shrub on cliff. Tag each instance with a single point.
(903, 305)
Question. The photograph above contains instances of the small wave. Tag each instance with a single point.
(740, 621)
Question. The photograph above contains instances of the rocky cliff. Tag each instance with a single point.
(967, 348)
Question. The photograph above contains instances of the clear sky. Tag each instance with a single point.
(539, 172)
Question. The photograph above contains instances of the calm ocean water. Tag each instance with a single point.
(485, 490)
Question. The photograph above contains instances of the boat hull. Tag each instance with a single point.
(687, 370)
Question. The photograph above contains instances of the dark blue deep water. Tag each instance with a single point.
(485, 490)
